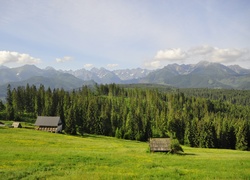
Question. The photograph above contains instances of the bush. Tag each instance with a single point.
(175, 147)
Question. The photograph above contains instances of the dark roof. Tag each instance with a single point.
(48, 121)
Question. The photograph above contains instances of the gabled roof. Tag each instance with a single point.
(16, 125)
(48, 121)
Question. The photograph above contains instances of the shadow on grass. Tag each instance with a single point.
(176, 153)
(91, 135)
(185, 154)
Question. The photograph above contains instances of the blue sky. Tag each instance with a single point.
(119, 34)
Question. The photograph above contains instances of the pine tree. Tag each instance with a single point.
(40, 101)
(70, 122)
(241, 136)
(9, 104)
(48, 103)
(2, 107)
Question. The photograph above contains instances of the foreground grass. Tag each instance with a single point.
(30, 154)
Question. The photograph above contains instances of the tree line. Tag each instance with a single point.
(239, 97)
(134, 113)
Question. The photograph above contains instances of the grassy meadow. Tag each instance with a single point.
(30, 154)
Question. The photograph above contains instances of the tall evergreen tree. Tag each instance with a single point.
(9, 104)
(70, 122)
(241, 136)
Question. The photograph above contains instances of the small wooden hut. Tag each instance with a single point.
(160, 144)
(49, 123)
(16, 125)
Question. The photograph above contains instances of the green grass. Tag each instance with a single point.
(31, 154)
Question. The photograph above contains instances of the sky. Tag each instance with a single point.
(120, 34)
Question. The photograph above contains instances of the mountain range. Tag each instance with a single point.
(201, 75)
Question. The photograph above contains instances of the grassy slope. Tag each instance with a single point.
(30, 154)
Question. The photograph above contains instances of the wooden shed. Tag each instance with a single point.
(16, 125)
(160, 144)
(49, 123)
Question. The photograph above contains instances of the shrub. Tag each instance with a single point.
(175, 147)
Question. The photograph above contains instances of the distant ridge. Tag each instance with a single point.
(201, 75)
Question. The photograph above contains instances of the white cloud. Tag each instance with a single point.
(171, 55)
(199, 53)
(88, 65)
(64, 59)
(201, 50)
(215, 54)
(112, 65)
(153, 64)
(228, 55)
(15, 57)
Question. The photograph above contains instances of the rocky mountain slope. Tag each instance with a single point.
(201, 75)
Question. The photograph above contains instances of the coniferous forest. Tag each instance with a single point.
(197, 118)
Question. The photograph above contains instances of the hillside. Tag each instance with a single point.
(30, 154)
(139, 113)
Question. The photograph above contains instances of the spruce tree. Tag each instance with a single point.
(9, 104)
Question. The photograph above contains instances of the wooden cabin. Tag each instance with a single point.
(49, 123)
(160, 144)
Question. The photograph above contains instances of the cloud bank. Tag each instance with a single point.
(15, 57)
(153, 64)
(64, 59)
(112, 65)
(199, 53)
(88, 65)
(171, 54)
